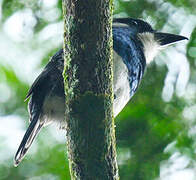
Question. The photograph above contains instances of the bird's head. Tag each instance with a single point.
(152, 40)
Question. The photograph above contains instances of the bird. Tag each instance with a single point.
(135, 44)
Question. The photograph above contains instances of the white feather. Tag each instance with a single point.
(151, 46)
(121, 84)
(53, 110)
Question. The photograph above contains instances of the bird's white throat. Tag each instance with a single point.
(151, 46)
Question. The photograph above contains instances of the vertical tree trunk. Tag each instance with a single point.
(88, 89)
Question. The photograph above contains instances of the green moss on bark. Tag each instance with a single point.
(88, 89)
(90, 129)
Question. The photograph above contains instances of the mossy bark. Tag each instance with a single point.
(88, 89)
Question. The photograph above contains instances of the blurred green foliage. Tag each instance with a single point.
(9, 7)
(16, 87)
(49, 163)
(145, 129)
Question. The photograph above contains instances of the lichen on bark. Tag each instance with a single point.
(88, 89)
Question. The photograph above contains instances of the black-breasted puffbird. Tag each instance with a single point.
(135, 44)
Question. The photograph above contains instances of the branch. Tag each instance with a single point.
(88, 88)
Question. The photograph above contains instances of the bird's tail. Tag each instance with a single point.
(32, 131)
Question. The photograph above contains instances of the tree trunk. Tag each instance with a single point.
(88, 89)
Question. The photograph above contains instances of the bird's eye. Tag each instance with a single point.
(114, 96)
(135, 23)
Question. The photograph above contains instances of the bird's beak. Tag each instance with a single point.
(167, 39)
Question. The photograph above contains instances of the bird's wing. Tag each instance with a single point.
(41, 80)
(42, 86)
(37, 92)
(54, 67)
(135, 76)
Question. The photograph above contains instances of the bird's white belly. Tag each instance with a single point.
(53, 110)
(121, 84)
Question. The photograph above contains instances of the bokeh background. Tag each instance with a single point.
(156, 132)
